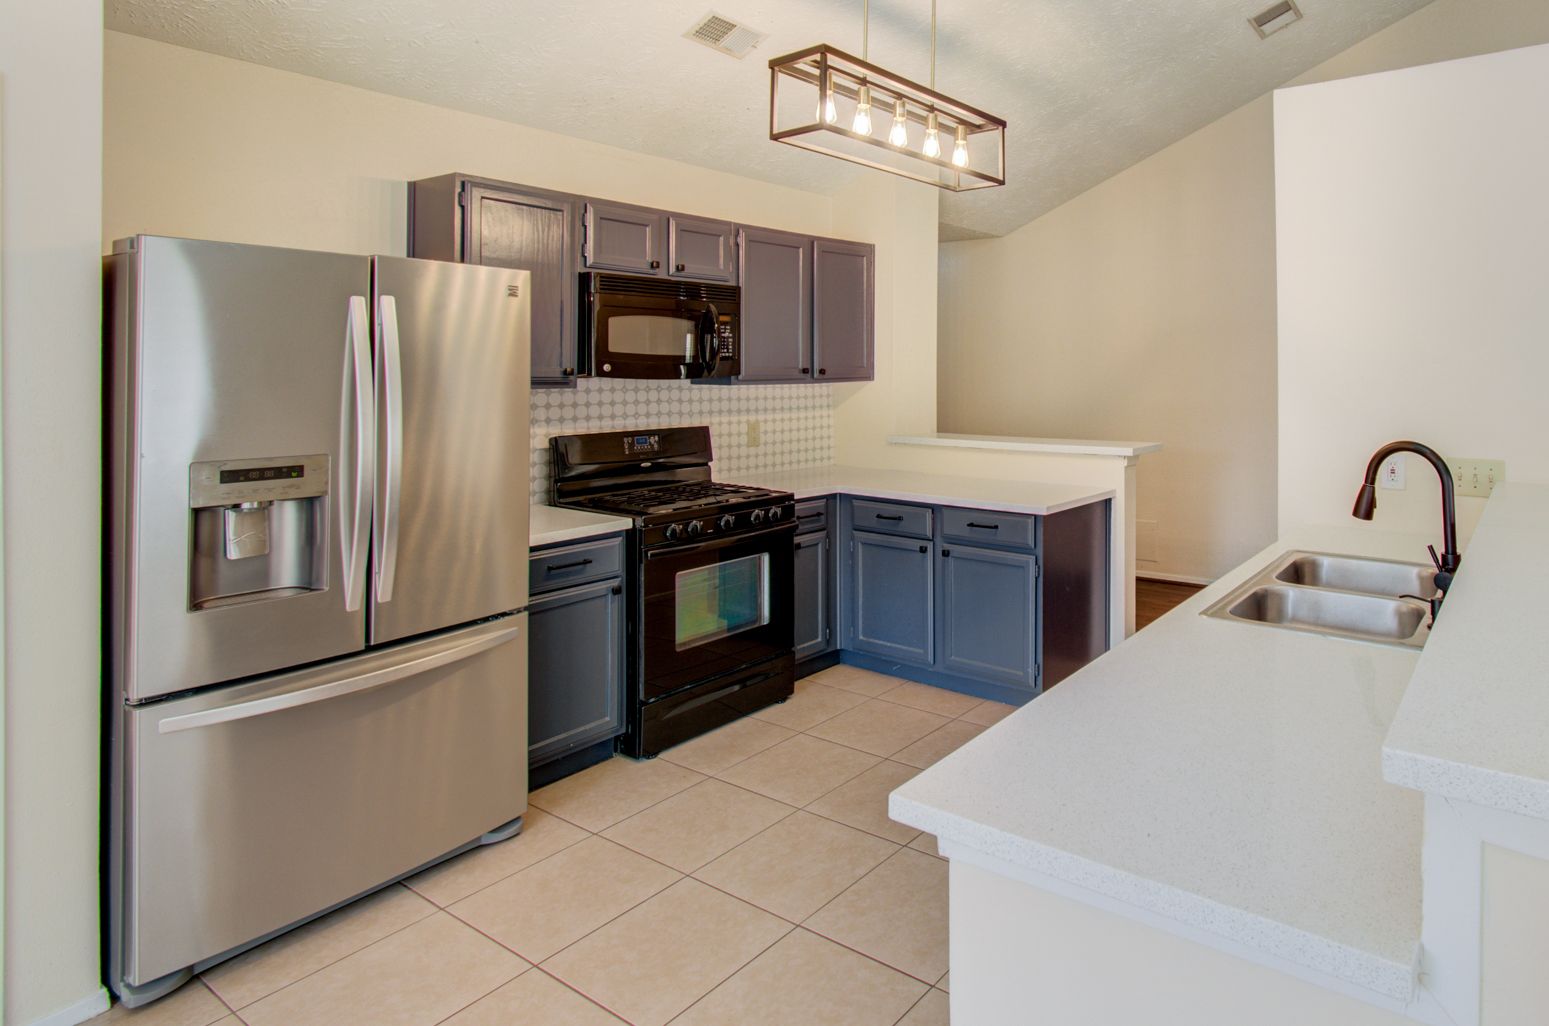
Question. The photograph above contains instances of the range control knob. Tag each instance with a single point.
(775, 514)
(695, 529)
(757, 516)
(673, 532)
(727, 522)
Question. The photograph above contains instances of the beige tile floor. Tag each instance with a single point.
(751, 876)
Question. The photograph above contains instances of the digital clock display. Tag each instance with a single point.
(256, 475)
(634, 444)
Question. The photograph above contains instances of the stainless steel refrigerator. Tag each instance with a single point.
(317, 559)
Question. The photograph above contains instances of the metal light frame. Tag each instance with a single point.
(828, 72)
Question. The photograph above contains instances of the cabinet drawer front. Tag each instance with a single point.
(1007, 530)
(892, 518)
(812, 516)
(575, 564)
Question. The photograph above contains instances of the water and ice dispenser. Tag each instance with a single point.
(260, 529)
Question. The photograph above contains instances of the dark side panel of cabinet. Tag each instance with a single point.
(776, 310)
(620, 238)
(989, 603)
(842, 310)
(814, 596)
(510, 229)
(893, 611)
(575, 669)
(1074, 616)
(703, 250)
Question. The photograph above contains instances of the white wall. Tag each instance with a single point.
(1146, 308)
(1413, 226)
(50, 283)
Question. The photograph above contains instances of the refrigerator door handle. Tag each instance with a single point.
(332, 686)
(357, 424)
(390, 476)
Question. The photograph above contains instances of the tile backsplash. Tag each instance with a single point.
(795, 422)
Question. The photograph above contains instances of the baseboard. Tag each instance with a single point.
(87, 1008)
(1156, 575)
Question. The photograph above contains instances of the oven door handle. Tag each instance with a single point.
(720, 543)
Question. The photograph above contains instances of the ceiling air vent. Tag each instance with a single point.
(720, 33)
(1273, 19)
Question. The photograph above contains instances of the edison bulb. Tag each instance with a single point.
(960, 148)
(862, 123)
(898, 135)
(932, 147)
(830, 112)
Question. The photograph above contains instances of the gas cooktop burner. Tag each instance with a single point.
(668, 498)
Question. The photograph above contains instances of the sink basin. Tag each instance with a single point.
(1333, 612)
(1335, 595)
(1348, 573)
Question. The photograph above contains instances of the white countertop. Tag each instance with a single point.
(1221, 775)
(1474, 724)
(549, 524)
(1011, 443)
(1037, 497)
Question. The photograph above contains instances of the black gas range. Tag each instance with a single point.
(711, 624)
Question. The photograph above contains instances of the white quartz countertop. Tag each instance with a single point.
(1037, 497)
(549, 524)
(1474, 724)
(1221, 775)
(1010, 443)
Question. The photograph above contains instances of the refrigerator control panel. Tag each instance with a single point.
(233, 482)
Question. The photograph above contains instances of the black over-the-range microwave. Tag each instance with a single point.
(633, 326)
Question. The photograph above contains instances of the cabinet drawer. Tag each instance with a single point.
(812, 516)
(575, 564)
(892, 518)
(1008, 530)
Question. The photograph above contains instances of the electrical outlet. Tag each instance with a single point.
(1476, 477)
(755, 434)
(1392, 475)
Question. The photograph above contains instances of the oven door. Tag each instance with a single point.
(654, 337)
(712, 608)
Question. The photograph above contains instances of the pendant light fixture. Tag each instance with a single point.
(844, 91)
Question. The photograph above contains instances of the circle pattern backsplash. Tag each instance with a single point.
(796, 422)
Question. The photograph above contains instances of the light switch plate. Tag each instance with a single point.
(755, 434)
(1476, 477)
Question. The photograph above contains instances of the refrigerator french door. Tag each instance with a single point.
(317, 548)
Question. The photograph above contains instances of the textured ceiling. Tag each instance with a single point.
(1089, 86)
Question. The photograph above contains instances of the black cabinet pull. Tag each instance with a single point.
(655, 264)
(984, 527)
(924, 548)
(806, 370)
(822, 370)
(681, 268)
(945, 553)
(798, 545)
(888, 516)
(618, 589)
(567, 566)
(569, 372)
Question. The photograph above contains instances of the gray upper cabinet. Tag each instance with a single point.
(988, 610)
(776, 305)
(620, 238)
(814, 596)
(893, 598)
(843, 290)
(703, 250)
(475, 221)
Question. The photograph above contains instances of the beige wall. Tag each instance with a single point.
(50, 71)
(1413, 222)
(1146, 308)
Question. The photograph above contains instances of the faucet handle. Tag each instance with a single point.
(1435, 559)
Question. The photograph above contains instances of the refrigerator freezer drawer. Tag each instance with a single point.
(246, 809)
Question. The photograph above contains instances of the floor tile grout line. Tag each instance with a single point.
(391, 933)
(726, 979)
(912, 1007)
(486, 994)
(858, 951)
(581, 993)
(638, 762)
(530, 865)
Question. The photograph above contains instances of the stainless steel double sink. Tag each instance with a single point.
(1335, 595)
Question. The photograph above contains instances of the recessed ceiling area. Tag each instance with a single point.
(1089, 86)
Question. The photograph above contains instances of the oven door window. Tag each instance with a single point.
(717, 601)
(649, 334)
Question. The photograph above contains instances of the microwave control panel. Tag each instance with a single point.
(727, 336)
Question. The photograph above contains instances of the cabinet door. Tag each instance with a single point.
(814, 596)
(842, 305)
(776, 309)
(623, 239)
(700, 249)
(893, 596)
(537, 233)
(988, 614)
(575, 669)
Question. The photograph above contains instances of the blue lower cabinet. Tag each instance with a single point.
(814, 596)
(892, 594)
(575, 669)
(988, 615)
